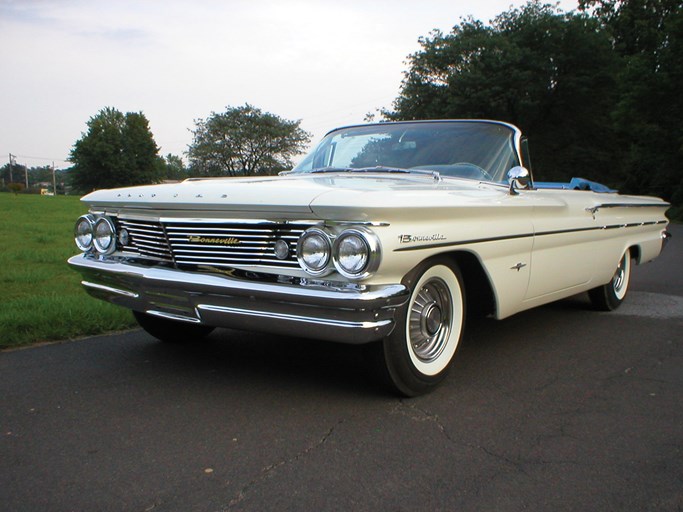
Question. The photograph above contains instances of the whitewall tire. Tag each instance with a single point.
(419, 352)
(610, 296)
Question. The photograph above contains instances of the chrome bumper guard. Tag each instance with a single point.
(335, 314)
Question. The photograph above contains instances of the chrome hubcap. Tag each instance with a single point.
(619, 279)
(432, 319)
(429, 322)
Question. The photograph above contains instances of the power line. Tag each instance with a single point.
(47, 159)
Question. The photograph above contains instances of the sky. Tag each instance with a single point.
(325, 63)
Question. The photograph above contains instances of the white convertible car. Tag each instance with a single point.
(384, 234)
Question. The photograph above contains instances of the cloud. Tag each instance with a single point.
(327, 63)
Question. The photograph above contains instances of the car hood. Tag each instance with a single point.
(315, 196)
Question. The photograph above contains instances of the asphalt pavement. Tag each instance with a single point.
(558, 408)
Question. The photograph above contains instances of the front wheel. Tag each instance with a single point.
(609, 297)
(172, 331)
(418, 354)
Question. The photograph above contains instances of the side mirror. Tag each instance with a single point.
(519, 178)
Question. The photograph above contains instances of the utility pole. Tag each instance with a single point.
(11, 178)
(54, 180)
(26, 175)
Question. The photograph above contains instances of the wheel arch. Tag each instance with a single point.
(481, 298)
(479, 292)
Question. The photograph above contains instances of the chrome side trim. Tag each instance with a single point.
(227, 220)
(294, 318)
(356, 223)
(171, 316)
(593, 209)
(109, 289)
(528, 235)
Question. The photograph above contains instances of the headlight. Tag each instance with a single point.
(352, 253)
(356, 253)
(314, 251)
(83, 232)
(104, 236)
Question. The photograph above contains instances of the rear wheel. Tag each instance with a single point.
(419, 352)
(610, 296)
(172, 331)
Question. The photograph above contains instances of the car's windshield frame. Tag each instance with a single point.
(473, 149)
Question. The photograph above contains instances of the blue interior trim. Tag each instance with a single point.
(575, 184)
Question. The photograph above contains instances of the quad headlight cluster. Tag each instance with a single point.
(95, 233)
(353, 252)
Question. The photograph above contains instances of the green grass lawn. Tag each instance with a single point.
(40, 296)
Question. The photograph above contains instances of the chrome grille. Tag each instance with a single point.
(229, 244)
(213, 243)
(146, 238)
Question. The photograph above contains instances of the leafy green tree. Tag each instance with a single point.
(549, 72)
(40, 174)
(17, 174)
(4, 174)
(245, 141)
(118, 150)
(174, 168)
(648, 34)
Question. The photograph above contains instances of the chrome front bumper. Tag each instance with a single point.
(346, 315)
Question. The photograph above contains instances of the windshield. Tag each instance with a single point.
(469, 149)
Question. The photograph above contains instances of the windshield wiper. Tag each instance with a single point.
(330, 169)
(381, 168)
(378, 169)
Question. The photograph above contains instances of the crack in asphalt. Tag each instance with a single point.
(269, 469)
(418, 414)
(516, 464)
(422, 415)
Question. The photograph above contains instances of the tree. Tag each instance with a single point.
(648, 34)
(549, 72)
(17, 173)
(174, 168)
(245, 141)
(118, 150)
